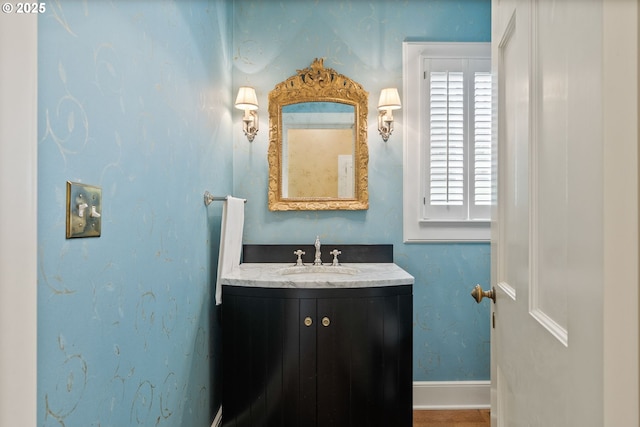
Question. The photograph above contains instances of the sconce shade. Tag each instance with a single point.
(246, 99)
(389, 99)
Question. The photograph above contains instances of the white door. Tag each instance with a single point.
(565, 230)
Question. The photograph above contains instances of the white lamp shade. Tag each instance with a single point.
(389, 99)
(247, 99)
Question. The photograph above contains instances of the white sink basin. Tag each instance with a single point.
(309, 269)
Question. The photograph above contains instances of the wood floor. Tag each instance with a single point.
(467, 418)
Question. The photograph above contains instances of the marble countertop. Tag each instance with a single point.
(286, 275)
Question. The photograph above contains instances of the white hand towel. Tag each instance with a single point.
(231, 228)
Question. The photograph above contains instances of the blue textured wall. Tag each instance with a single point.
(134, 96)
(363, 40)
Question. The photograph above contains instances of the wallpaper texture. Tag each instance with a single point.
(134, 98)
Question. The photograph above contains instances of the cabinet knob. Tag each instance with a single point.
(326, 321)
(308, 321)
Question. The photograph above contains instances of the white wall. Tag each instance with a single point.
(18, 219)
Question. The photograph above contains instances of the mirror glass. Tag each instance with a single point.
(318, 155)
(318, 146)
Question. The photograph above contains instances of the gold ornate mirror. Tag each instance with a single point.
(318, 155)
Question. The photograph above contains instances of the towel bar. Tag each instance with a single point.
(208, 198)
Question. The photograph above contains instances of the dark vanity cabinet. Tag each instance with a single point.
(317, 357)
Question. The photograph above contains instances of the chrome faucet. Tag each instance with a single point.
(318, 259)
(335, 254)
(299, 254)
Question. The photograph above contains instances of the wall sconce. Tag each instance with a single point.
(248, 101)
(389, 101)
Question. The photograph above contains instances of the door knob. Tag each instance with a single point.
(477, 293)
(308, 321)
(326, 321)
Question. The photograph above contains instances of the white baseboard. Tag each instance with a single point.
(217, 421)
(451, 394)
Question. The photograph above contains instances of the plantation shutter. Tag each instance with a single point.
(446, 115)
(457, 174)
(482, 139)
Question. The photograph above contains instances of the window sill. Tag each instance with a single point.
(461, 223)
(447, 231)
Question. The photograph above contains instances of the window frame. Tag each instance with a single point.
(416, 228)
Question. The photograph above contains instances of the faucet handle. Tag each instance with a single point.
(299, 253)
(335, 254)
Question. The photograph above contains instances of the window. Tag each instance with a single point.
(447, 161)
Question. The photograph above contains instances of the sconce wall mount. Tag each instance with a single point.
(389, 101)
(248, 101)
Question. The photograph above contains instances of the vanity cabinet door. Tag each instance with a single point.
(364, 361)
(261, 362)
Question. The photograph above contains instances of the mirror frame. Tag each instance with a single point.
(318, 84)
